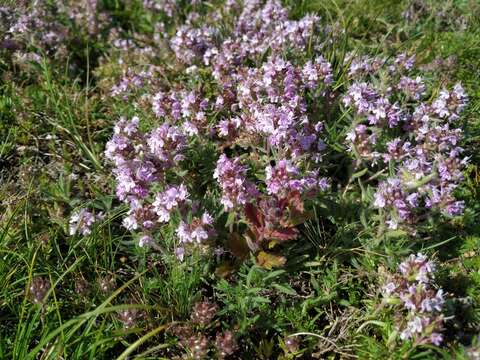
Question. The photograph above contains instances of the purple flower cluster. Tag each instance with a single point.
(265, 106)
(257, 28)
(362, 65)
(130, 82)
(191, 43)
(142, 160)
(188, 106)
(424, 151)
(82, 221)
(38, 289)
(229, 129)
(193, 336)
(225, 344)
(264, 102)
(231, 176)
(413, 289)
(169, 200)
(413, 88)
(272, 101)
(450, 104)
(169, 7)
(197, 231)
(86, 15)
(367, 102)
(417, 268)
(285, 178)
(259, 104)
(166, 144)
(270, 97)
(36, 26)
(403, 62)
(47, 28)
(362, 140)
(391, 196)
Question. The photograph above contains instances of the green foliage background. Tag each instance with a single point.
(54, 123)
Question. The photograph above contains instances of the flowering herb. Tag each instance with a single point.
(420, 303)
(424, 155)
(82, 221)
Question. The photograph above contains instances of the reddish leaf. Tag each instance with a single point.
(295, 202)
(238, 246)
(284, 234)
(254, 216)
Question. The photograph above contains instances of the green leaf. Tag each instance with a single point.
(359, 174)
(273, 274)
(392, 234)
(261, 300)
(230, 219)
(286, 289)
